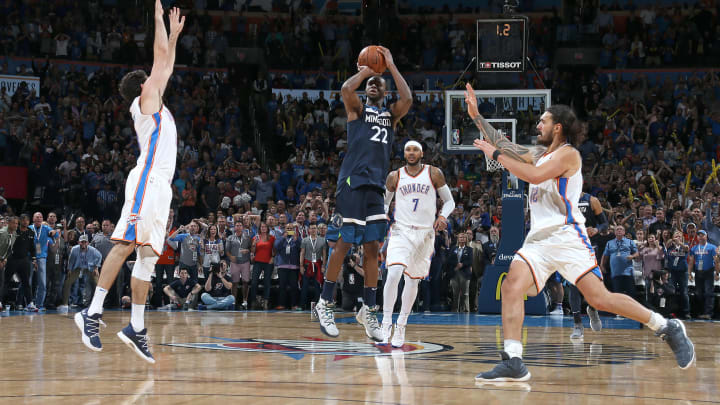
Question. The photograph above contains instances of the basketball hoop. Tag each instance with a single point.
(490, 164)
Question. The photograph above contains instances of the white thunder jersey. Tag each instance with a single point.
(147, 190)
(157, 139)
(554, 202)
(415, 199)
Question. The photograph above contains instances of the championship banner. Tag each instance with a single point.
(11, 83)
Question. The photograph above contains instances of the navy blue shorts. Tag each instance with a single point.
(359, 215)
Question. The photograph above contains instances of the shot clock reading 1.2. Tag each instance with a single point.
(501, 45)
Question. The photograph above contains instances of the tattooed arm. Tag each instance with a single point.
(492, 136)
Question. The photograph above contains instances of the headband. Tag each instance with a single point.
(413, 143)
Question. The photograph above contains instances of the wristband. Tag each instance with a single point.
(496, 154)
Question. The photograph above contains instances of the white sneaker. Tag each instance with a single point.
(368, 318)
(398, 339)
(62, 308)
(31, 308)
(325, 313)
(595, 321)
(557, 311)
(386, 332)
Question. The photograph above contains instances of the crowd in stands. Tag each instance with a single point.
(649, 152)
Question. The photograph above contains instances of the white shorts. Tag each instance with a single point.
(565, 249)
(145, 213)
(412, 248)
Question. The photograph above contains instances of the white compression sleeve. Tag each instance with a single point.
(448, 202)
(388, 199)
(408, 299)
(390, 291)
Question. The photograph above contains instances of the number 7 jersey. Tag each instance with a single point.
(369, 147)
(415, 199)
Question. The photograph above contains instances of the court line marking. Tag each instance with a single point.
(328, 383)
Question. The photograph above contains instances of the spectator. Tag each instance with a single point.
(8, 234)
(313, 254)
(217, 289)
(619, 253)
(190, 245)
(165, 266)
(677, 259)
(213, 248)
(460, 265)
(83, 258)
(262, 253)
(652, 255)
(21, 258)
(353, 282)
(287, 260)
(43, 237)
(181, 292)
(238, 252)
(703, 262)
(55, 264)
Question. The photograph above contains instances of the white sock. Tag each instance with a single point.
(513, 348)
(137, 317)
(408, 299)
(96, 306)
(656, 321)
(390, 291)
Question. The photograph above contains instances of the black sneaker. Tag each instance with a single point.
(138, 342)
(508, 370)
(676, 337)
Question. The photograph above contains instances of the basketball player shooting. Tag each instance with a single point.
(142, 224)
(557, 239)
(359, 215)
(412, 236)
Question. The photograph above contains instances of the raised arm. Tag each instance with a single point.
(163, 59)
(353, 106)
(402, 105)
(492, 136)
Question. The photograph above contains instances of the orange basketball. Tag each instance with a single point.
(371, 57)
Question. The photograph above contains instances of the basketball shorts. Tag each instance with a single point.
(411, 247)
(240, 271)
(565, 249)
(144, 215)
(359, 215)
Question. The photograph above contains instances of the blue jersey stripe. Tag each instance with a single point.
(569, 219)
(130, 233)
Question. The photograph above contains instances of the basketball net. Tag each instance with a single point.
(490, 164)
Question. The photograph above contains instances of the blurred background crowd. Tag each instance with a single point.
(256, 166)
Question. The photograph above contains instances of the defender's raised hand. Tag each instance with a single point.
(177, 21)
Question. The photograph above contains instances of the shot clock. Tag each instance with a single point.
(501, 45)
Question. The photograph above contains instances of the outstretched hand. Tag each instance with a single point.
(367, 71)
(158, 9)
(177, 21)
(387, 55)
(471, 101)
(484, 146)
(440, 224)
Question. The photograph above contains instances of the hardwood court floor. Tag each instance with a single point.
(282, 358)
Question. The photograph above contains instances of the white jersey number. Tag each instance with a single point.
(378, 131)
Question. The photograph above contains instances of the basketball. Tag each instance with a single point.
(371, 57)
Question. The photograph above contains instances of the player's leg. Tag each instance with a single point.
(575, 307)
(518, 282)
(672, 331)
(367, 316)
(390, 292)
(325, 307)
(408, 299)
(135, 334)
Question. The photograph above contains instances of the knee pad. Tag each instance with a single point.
(144, 265)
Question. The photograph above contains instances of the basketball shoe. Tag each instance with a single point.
(509, 369)
(138, 341)
(398, 339)
(89, 326)
(595, 321)
(386, 332)
(325, 312)
(578, 332)
(675, 335)
(367, 317)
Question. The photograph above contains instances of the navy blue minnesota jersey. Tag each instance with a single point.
(369, 147)
(591, 220)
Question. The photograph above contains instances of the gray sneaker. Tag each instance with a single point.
(675, 335)
(578, 332)
(595, 321)
(508, 370)
(325, 312)
(367, 317)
